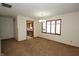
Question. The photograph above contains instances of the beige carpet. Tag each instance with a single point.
(37, 47)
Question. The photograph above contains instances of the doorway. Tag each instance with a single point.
(30, 29)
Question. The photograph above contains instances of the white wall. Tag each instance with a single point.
(15, 28)
(20, 28)
(6, 28)
(36, 28)
(69, 29)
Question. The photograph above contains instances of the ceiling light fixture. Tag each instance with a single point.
(42, 17)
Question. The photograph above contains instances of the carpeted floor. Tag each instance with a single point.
(37, 47)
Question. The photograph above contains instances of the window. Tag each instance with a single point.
(44, 26)
(58, 27)
(48, 27)
(52, 27)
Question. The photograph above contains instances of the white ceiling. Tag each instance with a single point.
(34, 9)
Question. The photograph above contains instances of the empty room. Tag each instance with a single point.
(39, 29)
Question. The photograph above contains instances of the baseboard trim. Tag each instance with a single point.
(8, 38)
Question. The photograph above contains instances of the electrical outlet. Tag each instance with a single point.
(70, 41)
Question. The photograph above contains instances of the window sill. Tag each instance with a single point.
(51, 33)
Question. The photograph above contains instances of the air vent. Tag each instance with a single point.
(6, 5)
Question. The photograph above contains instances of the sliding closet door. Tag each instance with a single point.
(6, 28)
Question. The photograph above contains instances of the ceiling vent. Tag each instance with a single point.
(6, 5)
